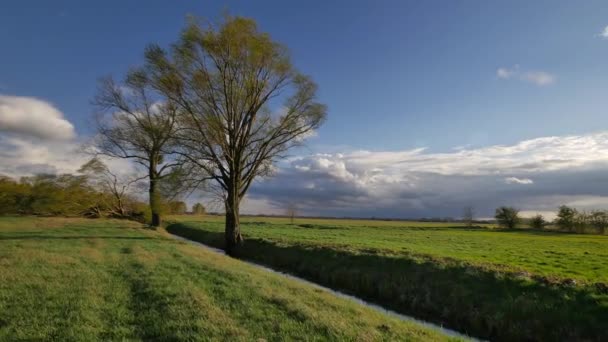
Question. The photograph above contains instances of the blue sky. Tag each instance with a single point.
(396, 75)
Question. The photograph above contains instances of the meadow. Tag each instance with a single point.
(490, 283)
(83, 280)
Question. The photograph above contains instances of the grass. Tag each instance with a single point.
(551, 254)
(502, 285)
(83, 280)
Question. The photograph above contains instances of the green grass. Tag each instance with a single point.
(551, 254)
(84, 280)
(502, 285)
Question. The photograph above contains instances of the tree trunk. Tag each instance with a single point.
(232, 229)
(154, 203)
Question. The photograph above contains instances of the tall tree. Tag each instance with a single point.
(135, 123)
(243, 105)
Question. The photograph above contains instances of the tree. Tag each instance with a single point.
(113, 188)
(291, 211)
(198, 209)
(468, 215)
(14, 196)
(225, 80)
(507, 217)
(537, 222)
(566, 217)
(581, 221)
(599, 220)
(133, 124)
(177, 207)
(57, 195)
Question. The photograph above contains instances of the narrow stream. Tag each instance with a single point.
(445, 331)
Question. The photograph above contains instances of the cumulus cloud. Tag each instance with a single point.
(604, 33)
(515, 180)
(539, 78)
(416, 183)
(36, 138)
(33, 117)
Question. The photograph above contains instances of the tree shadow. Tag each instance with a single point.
(480, 302)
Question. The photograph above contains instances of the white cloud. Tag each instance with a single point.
(515, 180)
(539, 78)
(415, 183)
(33, 117)
(604, 33)
(25, 156)
(504, 73)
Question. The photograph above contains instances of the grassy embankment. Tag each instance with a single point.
(502, 285)
(85, 280)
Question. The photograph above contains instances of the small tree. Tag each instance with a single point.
(132, 124)
(507, 217)
(537, 222)
(599, 220)
(198, 209)
(291, 212)
(566, 217)
(177, 207)
(468, 216)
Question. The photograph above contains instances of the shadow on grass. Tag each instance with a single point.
(478, 302)
(72, 237)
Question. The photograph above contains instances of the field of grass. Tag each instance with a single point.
(84, 280)
(502, 285)
(551, 254)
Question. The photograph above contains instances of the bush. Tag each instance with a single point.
(507, 217)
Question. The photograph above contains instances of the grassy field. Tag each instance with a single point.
(490, 283)
(83, 280)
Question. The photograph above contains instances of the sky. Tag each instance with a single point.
(432, 105)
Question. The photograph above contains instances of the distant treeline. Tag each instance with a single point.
(76, 195)
(568, 219)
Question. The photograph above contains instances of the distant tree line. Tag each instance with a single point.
(568, 219)
(90, 194)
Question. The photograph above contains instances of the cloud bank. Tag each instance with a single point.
(533, 175)
(539, 78)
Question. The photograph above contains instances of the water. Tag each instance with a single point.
(433, 326)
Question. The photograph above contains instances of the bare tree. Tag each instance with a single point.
(134, 124)
(225, 79)
(110, 184)
(468, 216)
(291, 211)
